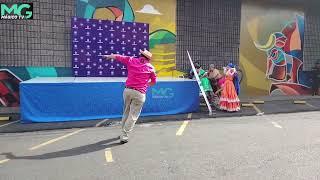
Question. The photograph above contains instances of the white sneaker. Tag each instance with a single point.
(124, 139)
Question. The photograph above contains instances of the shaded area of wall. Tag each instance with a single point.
(210, 30)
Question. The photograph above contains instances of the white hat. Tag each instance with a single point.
(146, 53)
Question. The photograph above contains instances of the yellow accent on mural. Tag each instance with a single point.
(271, 49)
(258, 81)
(103, 14)
(160, 15)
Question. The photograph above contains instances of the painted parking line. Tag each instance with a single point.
(4, 161)
(108, 155)
(7, 124)
(259, 112)
(275, 124)
(101, 122)
(310, 105)
(55, 140)
(182, 128)
(189, 115)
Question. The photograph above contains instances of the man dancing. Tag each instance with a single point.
(141, 74)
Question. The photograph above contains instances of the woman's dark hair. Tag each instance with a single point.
(197, 65)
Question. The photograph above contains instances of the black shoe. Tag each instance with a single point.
(123, 141)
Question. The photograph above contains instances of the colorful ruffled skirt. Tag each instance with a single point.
(229, 100)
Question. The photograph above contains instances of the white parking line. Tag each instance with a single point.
(3, 125)
(275, 124)
(259, 112)
(101, 122)
(55, 140)
(310, 105)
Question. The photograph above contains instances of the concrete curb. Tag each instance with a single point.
(268, 108)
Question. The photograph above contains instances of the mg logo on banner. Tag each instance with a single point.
(162, 93)
(16, 10)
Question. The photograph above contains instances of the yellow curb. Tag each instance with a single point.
(258, 102)
(5, 118)
(247, 105)
(299, 102)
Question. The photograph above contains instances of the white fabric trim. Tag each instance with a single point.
(230, 110)
(229, 100)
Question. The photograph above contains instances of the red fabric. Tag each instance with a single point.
(229, 100)
(221, 81)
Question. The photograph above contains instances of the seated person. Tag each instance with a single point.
(212, 74)
(216, 78)
(191, 74)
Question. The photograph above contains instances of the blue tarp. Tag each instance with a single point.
(69, 99)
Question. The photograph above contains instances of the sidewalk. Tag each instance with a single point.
(271, 105)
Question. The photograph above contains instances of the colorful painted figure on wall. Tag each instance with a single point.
(285, 59)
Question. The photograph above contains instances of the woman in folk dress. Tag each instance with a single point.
(229, 100)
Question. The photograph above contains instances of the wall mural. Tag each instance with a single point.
(271, 46)
(10, 77)
(271, 51)
(160, 15)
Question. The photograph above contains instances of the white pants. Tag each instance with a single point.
(133, 102)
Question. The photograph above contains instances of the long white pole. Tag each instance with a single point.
(199, 83)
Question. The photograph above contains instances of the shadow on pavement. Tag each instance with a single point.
(70, 152)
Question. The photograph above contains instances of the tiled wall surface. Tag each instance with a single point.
(43, 41)
(210, 30)
(312, 37)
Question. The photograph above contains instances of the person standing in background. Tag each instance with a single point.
(229, 100)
